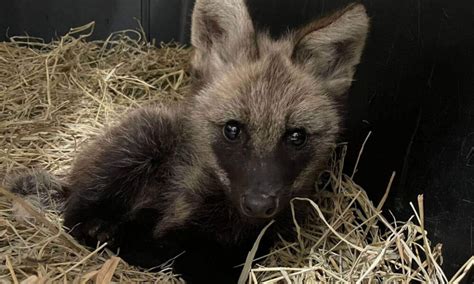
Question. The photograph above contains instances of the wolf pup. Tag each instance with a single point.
(206, 176)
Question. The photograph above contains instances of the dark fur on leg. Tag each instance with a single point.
(110, 177)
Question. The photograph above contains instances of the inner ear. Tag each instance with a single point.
(212, 32)
(220, 24)
(221, 33)
(330, 48)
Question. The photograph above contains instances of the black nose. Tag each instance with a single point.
(259, 205)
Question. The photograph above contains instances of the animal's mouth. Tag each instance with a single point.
(256, 221)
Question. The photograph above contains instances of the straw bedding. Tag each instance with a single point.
(55, 96)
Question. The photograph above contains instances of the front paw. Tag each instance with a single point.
(94, 231)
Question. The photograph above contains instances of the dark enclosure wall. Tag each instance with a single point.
(414, 90)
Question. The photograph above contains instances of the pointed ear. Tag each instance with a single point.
(331, 48)
(221, 32)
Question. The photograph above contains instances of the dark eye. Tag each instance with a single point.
(231, 130)
(296, 137)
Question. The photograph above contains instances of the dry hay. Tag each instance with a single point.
(54, 96)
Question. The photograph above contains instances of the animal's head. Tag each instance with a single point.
(269, 109)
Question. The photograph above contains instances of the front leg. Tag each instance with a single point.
(128, 162)
(96, 231)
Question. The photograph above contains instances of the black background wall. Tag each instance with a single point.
(414, 90)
